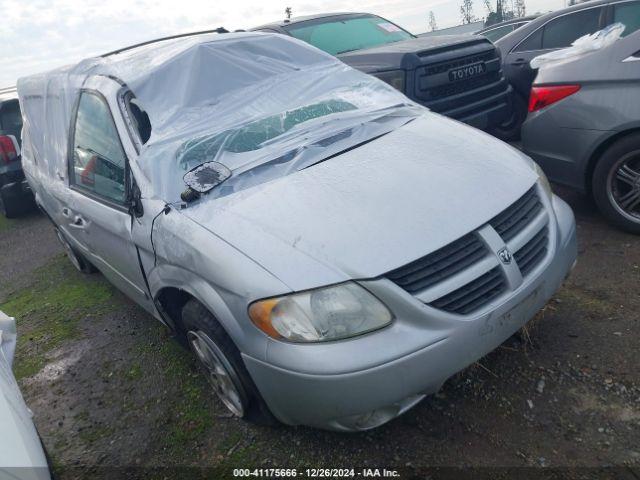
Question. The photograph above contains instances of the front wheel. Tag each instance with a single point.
(616, 183)
(222, 365)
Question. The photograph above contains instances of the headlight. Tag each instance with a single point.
(544, 181)
(395, 78)
(329, 313)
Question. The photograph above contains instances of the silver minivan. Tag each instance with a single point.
(331, 251)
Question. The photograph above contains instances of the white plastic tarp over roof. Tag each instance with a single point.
(261, 104)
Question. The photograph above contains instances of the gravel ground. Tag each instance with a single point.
(110, 390)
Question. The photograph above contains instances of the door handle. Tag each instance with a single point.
(520, 62)
(65, 212)
(78, 222)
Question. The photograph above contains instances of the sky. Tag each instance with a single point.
(39, 35)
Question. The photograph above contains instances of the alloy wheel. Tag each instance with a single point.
(219, 372)
(623, 186)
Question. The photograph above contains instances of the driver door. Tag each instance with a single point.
(98, 214)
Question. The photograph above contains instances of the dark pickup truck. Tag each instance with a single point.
(457, 76)
(15, 196)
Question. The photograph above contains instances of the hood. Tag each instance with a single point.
(374, 208)
(407, 54)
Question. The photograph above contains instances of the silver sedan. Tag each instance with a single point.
(584, 127)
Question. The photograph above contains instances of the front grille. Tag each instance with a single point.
(439, 265)
(474, 294)
(463, 86)
(532, 252)
(516, 217)
(460, 62)
(417, 277)
(435, 90)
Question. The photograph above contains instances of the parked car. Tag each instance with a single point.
(21, 454)
(457, 76)
(498, 30)
(331, 251)
(553, 31)
(584, 127)
(15, 195)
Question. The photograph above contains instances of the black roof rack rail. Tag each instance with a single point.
(120, 50)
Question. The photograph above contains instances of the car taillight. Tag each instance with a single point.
(543, 96)
(8, 152)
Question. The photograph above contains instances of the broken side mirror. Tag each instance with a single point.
(202, 179)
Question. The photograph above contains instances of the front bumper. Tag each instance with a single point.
(478, 110)
(329, 387)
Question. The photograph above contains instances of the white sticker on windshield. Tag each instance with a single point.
(389, 27)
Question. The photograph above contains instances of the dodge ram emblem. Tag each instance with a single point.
(505, 256)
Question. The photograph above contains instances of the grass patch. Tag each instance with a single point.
(134, 373)
(48, 311)
(5, 223)
(191, 415)
(92, 434)
(591, 302)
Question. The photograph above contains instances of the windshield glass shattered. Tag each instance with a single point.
(253, 136)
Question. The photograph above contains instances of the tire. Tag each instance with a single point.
(10, 206)
(204, 332)
(510, 129)
(76, 258)
(616, 184)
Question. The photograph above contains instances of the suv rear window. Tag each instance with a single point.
(336, 35)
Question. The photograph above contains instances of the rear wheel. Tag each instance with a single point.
(222, 365)
(11, 206)
(77, 259)
(616, 183)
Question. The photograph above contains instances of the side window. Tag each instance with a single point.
(139, 118)
(627, 13)
(98, 159)
(531, 43)
(563, 31)
(499, 32)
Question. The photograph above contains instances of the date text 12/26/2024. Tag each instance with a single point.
(315, 472)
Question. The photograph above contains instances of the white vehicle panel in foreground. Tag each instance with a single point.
(21, 454)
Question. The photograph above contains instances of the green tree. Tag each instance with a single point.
(433, 26)
(466, 12)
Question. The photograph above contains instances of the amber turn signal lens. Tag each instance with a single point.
(260, 314)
